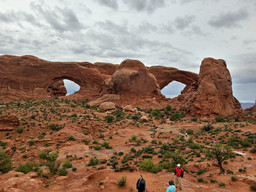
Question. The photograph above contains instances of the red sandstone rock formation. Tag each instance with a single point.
(57, 89)
(8, 122)
(212, 93)
(131, 83)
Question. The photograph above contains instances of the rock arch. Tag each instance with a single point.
(166, 75)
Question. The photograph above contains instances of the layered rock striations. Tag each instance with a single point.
(130, 83)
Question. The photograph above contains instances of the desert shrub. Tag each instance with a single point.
(5, 162)
(31, 142)
(122, 182)
(53, 166)
(109, 118)
(194, 146)
(253, 150)
(97, 147)
(19, 129)
(119, 114)
(207, 127)
(70, 138)
(55, 127)
(219, 119)
(221, 184)
(133, 138)
(190, 132)
(168, 108)
(3, 144)
(28, 167)
(66, 165)
(233, 178)
(63, 172)
(213, 181)
(230, 172)
(199, 179)
(175, 116)
(148, 165)
(86, 141)
(106, 145)
(42, 155)
(194, 119)
(148, 149)
(136, 117)
(201, 171)
(93, 161)
(253, 187)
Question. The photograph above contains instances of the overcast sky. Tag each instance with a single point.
(173, 33)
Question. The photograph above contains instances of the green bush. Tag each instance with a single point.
(148, 165)
(253, 187)
(106, 145)
(28, 167)
(122, 182)
(5, 162)
(63, 172)
(199, 179)
(42, 155)
(31, 142)
(55, 127)
(221, 184)
(175, 116)
(201, 171)
(109, 118)
(190, 132)
(233, 178)
(66, 165)
(19, 129)
(93, 161)
(219, 119)
(3, 144)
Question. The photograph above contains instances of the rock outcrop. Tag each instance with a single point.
(212, 93)
(130, 83)
(8, 122)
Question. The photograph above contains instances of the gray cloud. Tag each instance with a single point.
(59, 19)
(17, 17)
(145, 5)
(183, 22)
(242, 68)
(229, 19)
(109, 3)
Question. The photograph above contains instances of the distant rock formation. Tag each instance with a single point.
(131, 83)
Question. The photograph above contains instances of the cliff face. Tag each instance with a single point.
(206, 93)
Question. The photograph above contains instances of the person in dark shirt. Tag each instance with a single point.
(141, 184)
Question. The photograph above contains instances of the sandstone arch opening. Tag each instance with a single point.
(71, 86)
(173, 89)
(62, 86)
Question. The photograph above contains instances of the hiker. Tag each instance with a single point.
(171, 188)
(146, 190)
(178, 174)
(214, 142)
(186, 135)
(141, 184)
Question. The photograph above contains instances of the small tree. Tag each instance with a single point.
(5, 162)
(220, 153)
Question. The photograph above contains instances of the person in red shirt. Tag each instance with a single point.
(178, 174)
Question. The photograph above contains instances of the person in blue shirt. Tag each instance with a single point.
(171, 188)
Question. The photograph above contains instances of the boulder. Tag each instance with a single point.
(107, 106)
